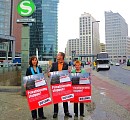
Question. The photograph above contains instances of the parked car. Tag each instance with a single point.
(117, 64)
(111, 63)
(128, 62)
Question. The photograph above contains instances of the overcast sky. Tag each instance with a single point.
(69, 12)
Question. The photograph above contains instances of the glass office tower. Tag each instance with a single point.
(5, 23)
(5, 17)
(43, 33)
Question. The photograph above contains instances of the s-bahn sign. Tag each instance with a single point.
(26, 8)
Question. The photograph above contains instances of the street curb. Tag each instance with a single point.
(12, 89)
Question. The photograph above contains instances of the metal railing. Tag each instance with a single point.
(10, 74)
(6, 67)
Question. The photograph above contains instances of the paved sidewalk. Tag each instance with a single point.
(126, 67)
(104, 107)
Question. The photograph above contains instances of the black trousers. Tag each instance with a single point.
(81, 108)
(65, 105)
(40, 113)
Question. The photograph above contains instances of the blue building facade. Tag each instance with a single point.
(5, 26)
(44, 33)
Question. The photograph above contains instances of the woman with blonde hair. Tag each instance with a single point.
(78, 70)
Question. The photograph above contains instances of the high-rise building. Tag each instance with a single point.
(5, 15)
(102, 47)
(116, 36)
(128, 48)
(88, 35)
(36, 31)
(72, 45)
(6, 26)
(16, 28)
(43, 33)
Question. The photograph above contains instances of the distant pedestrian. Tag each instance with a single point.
(34, 69)
(82, 64)
(70, 63)
(94, 65)
(90, 63)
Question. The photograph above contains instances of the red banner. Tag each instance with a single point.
(38, 97)
(62, 92)
(82, 93)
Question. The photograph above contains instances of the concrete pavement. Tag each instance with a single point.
(105, 105)
(126, 67)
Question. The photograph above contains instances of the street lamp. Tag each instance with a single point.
(92, 44)
(37, 53)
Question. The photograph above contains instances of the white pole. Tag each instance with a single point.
(37, 53)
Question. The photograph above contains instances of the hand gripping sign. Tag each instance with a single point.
(61, 87)
(37, 91)
(81, 87)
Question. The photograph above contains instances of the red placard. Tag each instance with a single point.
(38, 97)
(62, 92)
(82, 93)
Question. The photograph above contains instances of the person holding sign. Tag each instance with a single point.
(78, 70)
(34, 69)
(59, 66)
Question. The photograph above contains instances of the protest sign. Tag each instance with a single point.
(61, 87)
(82, 93)
(37, 91)
(81, 87)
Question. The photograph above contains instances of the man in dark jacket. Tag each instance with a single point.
(59, 66)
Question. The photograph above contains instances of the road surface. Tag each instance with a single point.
(117, 73)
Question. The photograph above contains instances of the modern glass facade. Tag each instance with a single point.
(5, 22)
(5, 13)
(44, 31)
(36, 31)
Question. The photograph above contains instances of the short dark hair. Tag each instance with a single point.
(32, 58)
(62, 54)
